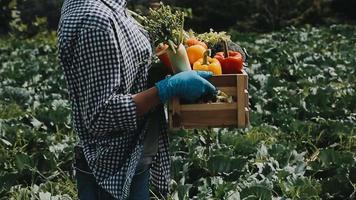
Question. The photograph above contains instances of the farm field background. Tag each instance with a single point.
(301, 143)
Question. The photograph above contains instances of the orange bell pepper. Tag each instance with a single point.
(195, 52)
(208, 64)
(231, 61)
(193, 41)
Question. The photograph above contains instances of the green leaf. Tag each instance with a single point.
(7, 143)
(23, 161)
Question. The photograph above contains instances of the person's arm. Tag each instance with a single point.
(97, 71)
(146, 100)
(189, 85)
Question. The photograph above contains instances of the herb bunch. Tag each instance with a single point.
(165, 25)
(212, 37)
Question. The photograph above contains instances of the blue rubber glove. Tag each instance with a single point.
(189, 85)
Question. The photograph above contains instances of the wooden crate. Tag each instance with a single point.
(234, 114)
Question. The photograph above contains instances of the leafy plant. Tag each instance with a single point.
(164, 25)
(301, 144)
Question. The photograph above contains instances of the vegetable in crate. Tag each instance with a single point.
(232, 46)
(161, 52)
(193, 41)
(195, 52)
(163, 24)
(208, 64)
(179, 59)
(213, 40)
(231, 61)
(217, 97)
(166, 26)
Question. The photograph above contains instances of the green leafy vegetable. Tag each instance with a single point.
(164, 24)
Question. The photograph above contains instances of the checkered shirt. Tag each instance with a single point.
(105, 56)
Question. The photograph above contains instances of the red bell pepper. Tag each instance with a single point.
(161, 52)
(231, 61)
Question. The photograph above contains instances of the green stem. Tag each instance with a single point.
(172, 46)
(205, 58)
(181, 30)
(136, 15)
(226, 49)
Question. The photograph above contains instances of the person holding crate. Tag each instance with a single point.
(123, 144)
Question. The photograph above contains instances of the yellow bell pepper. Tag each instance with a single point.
(208, 64)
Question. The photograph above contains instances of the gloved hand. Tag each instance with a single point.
(189, 85)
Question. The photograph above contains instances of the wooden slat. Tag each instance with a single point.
(218, 118)
(176, 105)
(176, 117)
(193, 126)
(208, 107)
(241, 101)
(225, 80)
(247, 109)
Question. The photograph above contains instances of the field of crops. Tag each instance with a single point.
(301, 144)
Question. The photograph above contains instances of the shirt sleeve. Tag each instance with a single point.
(98, 75)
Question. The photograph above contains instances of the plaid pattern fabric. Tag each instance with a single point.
(105, 56)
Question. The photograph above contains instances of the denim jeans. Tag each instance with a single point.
(88, 189)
